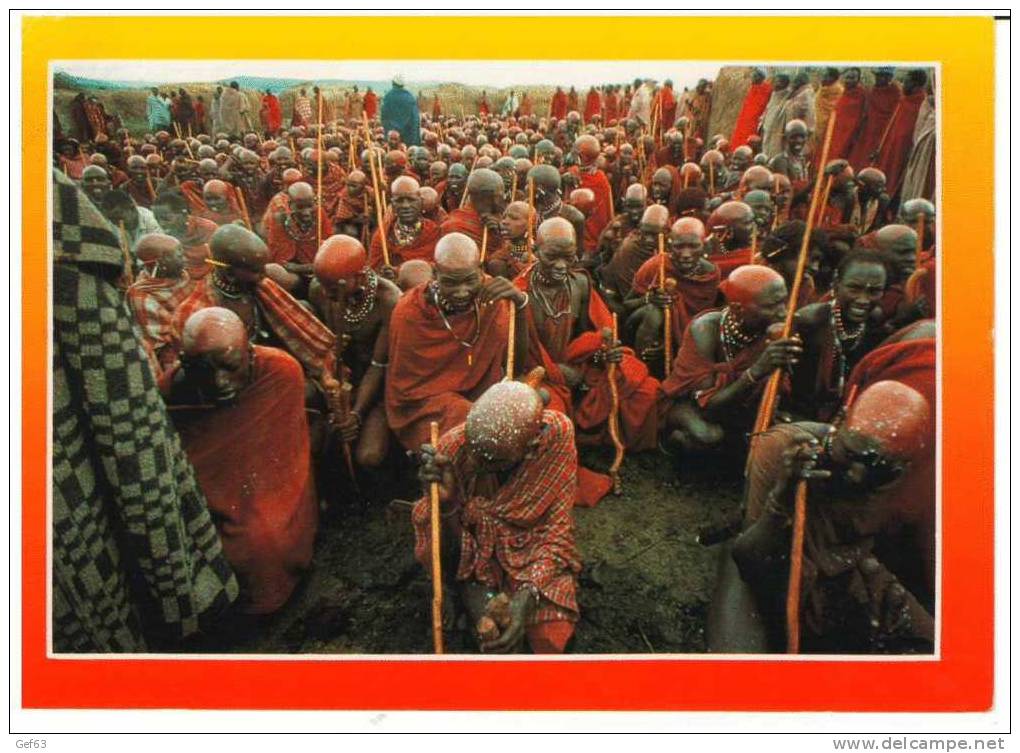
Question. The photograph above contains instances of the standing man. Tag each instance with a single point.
(156, 111)
(400, 113)
(233, 110)
(751, 110)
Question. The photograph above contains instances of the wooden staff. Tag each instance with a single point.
(244, 207)
(148, 182)
(128, 276)
(881, 142)
(711, 180)
(513, 188)
(667, 314)
(437, 564)
(612, 203)
(190, 135)
(796, 569)
(609, 338)
(531, 215)
(824, 203)
(766, 409)
(464, 196)
(318, 178)
(511, 339)
(485, 243)
(293, 147)
(177, 129)
(376, 190)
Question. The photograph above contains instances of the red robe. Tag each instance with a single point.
(729, 260)
(371, 105)
(592, 106)
(612, 103)
(196, 246)
(602, 210)
(892, 160)
(153, 301)
(848, 113)
(618, 274)
(750, 113)
(691, 368)
(559, 105)
(692, 296)
(299, 247)
(554, 344)
(432, 377)
(253, 464)
(423, 247)
(333, 182)
(879, 105)
(464, 220)
(667, 109)
(912, 501)
(273, 113)
(521, 532)
(572, 101)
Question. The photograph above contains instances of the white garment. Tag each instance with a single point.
(146, 224)
(641, 105)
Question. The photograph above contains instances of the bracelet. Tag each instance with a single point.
(380, 365)
(532, 589)
(750, 379)
(527, 300)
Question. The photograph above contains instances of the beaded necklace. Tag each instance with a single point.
(733, 338)
(405, 235)
(467, 344)
(294, 230)
(356, 315)
(537, 279)
(843, 341)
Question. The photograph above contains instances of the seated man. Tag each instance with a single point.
(851, 602)
(724, 360)
(483, 209)
(244, 431)
(292, 234)
(120, 209)
(507, 479)
(565, 335)
(270, 315)
(513, 254)
(157, 292)
(356, 304)
(219, 203)
(634, 201)
(408, 234)
(549, 200)
(836, 334)
(617, 276)
(695, 288)
(355, 214)
(731, 225)
(448, 342)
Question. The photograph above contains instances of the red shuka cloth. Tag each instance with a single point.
(554, 344)
(153, 301)
(521, 532)
(196, 246)
(333, 182)
(730, 260)
(692, 295)
(691, 368)
(423, 247)
(464, 220)
(252, 461)
(848, 113)
(879, 105)
(371, 105)
(750, 113)
(429, 376)
(911, 362)
(273, 111)
(592, 106)
(667, 113)
(597, 182)
(559, 105)
(892, 160)
(301, 250)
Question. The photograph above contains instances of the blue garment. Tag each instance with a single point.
(157, 111)
(400, 113)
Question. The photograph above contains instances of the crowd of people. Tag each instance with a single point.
(255, 322)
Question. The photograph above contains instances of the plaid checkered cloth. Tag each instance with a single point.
(299, 332)
(137, 563)
(523, 532)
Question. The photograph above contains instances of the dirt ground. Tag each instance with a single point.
(645, 586)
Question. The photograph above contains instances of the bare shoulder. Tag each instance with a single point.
(389, 294)
(705, 332)
(813, 315)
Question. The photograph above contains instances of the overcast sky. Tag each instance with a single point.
(493, 73)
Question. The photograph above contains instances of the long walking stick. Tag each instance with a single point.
(318, 178)
(128, 276)
(885, 133)
(609, 337)
(824, 203)
(667, 314)
(920, 224)
(511, 345)
(437, 564)
(485, 243)
(766, 409)
(244, 206)
(464, 196)
(754, 244)
(376, 190)
(531, 215)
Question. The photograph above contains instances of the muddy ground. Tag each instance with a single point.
(645, 586)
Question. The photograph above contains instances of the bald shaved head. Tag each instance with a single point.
(301, 190)
(555, 229)
(895, 415)
(413, 273)
(484, 180)
(405, 186)
(161, 254)
(456, 252)
(339, 258)
(503, 424)
(244, 253)
(213, 329)
(636, 192)
(655, 216)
